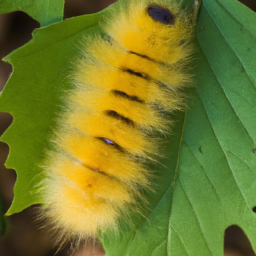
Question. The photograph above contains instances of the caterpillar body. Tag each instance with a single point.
(124, 84)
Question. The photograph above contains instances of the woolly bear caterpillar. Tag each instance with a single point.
(124, 85)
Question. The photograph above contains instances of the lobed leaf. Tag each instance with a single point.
(46, 12)
(39, 79)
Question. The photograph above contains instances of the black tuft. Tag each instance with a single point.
(117, 116)
(126, 96)
(132, 72)
(161, 14)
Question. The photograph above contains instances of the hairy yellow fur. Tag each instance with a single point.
(123, 88)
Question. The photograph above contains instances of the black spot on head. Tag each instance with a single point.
(161, 14)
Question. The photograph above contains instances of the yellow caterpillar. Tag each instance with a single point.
(124, 84)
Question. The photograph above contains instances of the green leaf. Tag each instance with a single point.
(36, 86)
(215, 185)
(46, 12)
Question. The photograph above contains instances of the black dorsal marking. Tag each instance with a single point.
(146, 77)
(92, 169)
(110, 143)
(142, 56)
(160, 14)
(117, 116)
(133, 72)
(126, 96)
(148, 58)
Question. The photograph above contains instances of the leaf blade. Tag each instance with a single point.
(28, 81)
(219, 135)
(45, 12)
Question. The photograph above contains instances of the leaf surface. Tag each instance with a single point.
(36, 86)
(46, 12)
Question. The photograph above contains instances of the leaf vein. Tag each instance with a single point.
(230, 46)
(197, 218)
(208, 178)
(224, 152)
(183, 243)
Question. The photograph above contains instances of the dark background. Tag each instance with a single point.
(23, 237)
